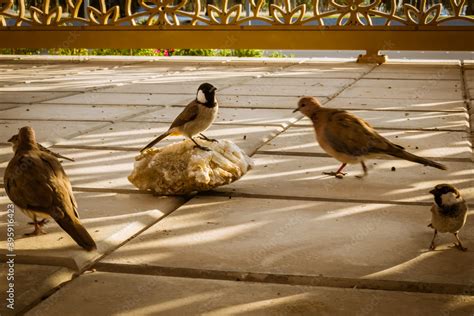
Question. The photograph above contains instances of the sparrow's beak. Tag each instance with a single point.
(10, 140)
(296, 110)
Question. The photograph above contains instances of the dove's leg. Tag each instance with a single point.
(199, 146)
(38, 230)
(41, 223)
(212, 140)
(432, 245)
(364, 167)
(459, 244)
(338, 173)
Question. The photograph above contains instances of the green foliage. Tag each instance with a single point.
(247, 52)
(278, 54)
(195, 52)
(20, 51)
(124, 52)
(137, 52)
(68, 51)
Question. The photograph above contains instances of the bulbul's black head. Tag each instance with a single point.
(442, 189)
(206, 95)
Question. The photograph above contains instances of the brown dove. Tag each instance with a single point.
(14, 141)
(350, 139)
(36, 182)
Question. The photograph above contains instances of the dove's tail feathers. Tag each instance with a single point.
(156, 140)
(64, 157)
(59, 156)
(77, 232)
(399, 153)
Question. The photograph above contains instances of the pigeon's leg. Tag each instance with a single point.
(338, 174)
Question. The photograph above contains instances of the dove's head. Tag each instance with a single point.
(26, 137)
(308, 105)
(14, 141)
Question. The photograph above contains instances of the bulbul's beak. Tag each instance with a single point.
(213, 89)
(296, 110)
(433, 191)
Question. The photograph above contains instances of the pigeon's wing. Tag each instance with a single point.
(348, 134)
(189, 113)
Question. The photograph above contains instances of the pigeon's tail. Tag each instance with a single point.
(77, 232)
(156, 140)
(400, 153)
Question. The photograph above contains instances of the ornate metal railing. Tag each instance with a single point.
(345, 24)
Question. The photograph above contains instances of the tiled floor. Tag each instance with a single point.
(284, 239)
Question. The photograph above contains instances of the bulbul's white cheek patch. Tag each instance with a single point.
(201, 97)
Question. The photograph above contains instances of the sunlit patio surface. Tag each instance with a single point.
(285, 239)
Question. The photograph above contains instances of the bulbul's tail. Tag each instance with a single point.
(156, 140)
(400, 153)
(77, 232)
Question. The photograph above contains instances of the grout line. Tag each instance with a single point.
(14, 105)
(301, 125)
(467, 102)
(91, 147)
(289, 279)
(324, 155)
(230, 194)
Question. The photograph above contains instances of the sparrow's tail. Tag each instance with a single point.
(400, 153)
(156, 140)
(77, 232)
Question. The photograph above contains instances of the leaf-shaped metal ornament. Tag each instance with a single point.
(256, 6)
(412, 14)
(46, 16)
(430, 17)
(108, 17)
(74, 7)
(287, 15)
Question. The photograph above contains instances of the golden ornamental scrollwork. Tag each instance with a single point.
(174, 13)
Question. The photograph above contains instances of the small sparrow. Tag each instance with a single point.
(448, 213)
(196, 117)
(36, 182)
(350, 139)
(14, 141)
